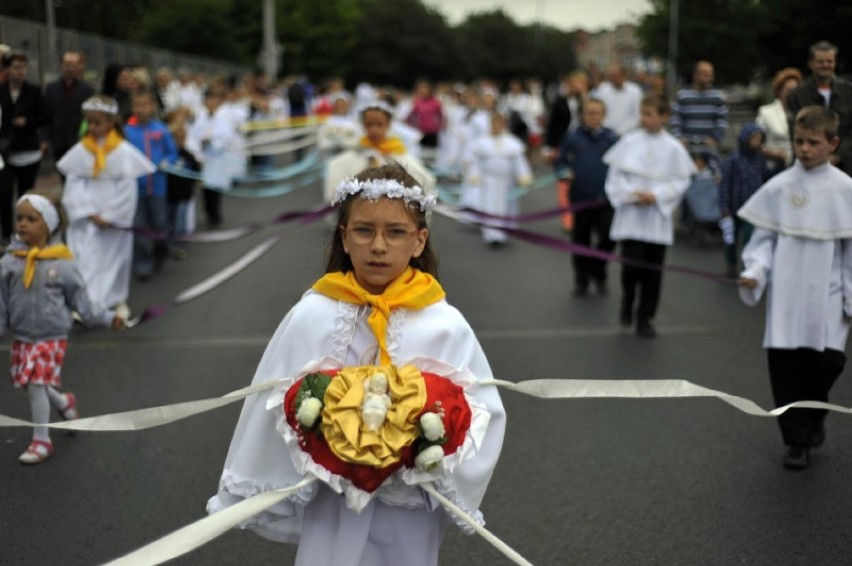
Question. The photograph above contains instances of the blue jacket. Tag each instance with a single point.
(581, 158)
(156, 142)
(742, 173)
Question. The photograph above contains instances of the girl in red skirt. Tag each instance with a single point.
(39, 287)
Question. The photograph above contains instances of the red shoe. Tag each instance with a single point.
(69, 413)
(37, 452)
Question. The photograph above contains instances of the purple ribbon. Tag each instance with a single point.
(577, 249)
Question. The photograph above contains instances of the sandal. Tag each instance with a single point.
(37, 452)
(69, 413)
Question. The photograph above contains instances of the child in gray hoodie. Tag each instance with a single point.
(39, 287)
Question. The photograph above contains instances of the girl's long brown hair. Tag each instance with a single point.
(339, 260)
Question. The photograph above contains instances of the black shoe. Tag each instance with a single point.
(626, 319)
(645, 330)
(580, 291)
(796, 458)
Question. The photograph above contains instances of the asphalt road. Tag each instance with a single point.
(585, 482)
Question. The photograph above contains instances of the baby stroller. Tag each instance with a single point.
(703, 211)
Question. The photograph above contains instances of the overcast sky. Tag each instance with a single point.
(564, 14)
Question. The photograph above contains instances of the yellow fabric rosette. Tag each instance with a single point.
(345, 432)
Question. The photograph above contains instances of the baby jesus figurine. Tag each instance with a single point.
(376, 403)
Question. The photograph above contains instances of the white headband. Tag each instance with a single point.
(98, 105)
(376, 188)
(45, 208)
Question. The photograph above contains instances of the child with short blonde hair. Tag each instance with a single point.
(800, 256)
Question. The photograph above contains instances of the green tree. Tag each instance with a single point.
(793, 26)
(725, 32)
(212, 28)
(401, 41)
(494, 46)
(318, 37)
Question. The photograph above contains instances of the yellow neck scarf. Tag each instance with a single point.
(100, 152)
(412, 290)
(388, 146)
(59, 251)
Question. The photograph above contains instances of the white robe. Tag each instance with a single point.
(801, 256)
(641, 161)
(103, 256)
(498, 163)
(217, 142)
(400, 524)
(477, 126)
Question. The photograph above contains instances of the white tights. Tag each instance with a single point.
(41, 399)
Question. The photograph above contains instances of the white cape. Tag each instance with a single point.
(258, 460)
(497, 164)
(124, 162)
(103, 255)
(655, 163)
(815, 204)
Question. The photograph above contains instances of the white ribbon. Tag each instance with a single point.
(147, 418)
(281, 148)
(196, 534)
(507, 550)
(204, 530)
(541, 388)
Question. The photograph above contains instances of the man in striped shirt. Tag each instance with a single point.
(700, 112)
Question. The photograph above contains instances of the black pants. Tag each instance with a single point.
(591, 225)
(10, 177)
(647, 281)
(213, 206)
(803, 375)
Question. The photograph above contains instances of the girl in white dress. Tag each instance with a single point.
(497, 163)
(100, 197)
(379, 303)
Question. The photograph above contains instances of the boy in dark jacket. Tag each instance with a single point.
(580, 160)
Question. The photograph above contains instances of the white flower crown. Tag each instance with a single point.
(97, 105)
(376, 188)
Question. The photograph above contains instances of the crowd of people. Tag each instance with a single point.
(626, 159)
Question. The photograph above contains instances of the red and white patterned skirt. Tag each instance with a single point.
(39, 363)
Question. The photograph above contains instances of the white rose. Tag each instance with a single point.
(430, 458)
(309, 411)
(432, 426)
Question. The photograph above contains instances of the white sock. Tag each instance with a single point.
(57, 400)
(40, 407)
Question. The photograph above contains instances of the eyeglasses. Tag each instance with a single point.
(392, 236)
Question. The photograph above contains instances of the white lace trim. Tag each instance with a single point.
(344, 326)
(396, 322)
(109, 106)
(376, 188)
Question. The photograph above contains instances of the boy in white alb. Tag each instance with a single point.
(649, 171)
(800, 255)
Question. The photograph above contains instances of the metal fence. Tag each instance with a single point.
(31, 38)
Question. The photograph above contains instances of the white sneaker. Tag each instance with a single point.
(122, 311)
